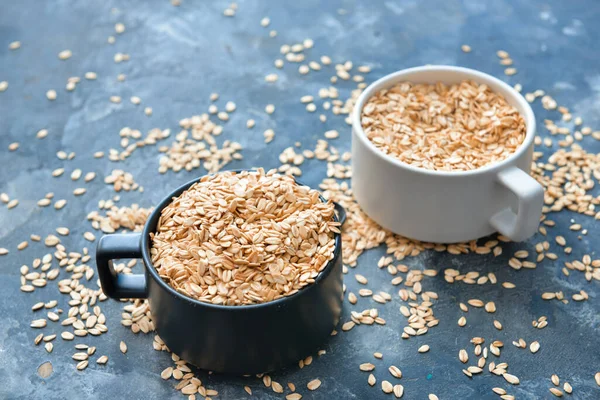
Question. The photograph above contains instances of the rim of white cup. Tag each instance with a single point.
(467, 73)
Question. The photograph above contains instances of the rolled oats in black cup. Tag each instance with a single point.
(242, 270)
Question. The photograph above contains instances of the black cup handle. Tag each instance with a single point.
(116, 246)
(341, 213)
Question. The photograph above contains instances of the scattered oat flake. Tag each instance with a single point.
(314, 384)
(475, 303)
(102, 360)
(463, 356)
(89, 236)
(490, 307)
(534, 347)
(387, 387)
(370, 367)
(395, 371)
(333, 134)
(65, 54)
(269, 135)
(371, 380)
(277, 387)
(166, 373)
(59, 204)
(82, 365)
(123, 347)
(41, 134)
(512, 379)
(76, 174)
(38, 323)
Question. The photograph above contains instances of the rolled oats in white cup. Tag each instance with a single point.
(442, 154)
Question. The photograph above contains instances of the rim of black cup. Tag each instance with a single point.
(150, 227)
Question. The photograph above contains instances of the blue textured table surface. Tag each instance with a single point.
(179, 55)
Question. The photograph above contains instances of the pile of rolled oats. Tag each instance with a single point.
(446, 128)
(244, 238)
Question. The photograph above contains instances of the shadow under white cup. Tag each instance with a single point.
(447, 206)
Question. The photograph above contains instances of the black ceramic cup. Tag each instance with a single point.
(244, 339)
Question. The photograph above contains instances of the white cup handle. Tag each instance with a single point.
(530, 193)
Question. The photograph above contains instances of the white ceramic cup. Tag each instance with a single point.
(447, 206)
